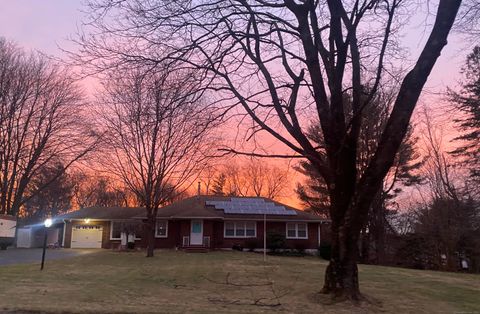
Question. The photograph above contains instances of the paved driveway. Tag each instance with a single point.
(21, 256)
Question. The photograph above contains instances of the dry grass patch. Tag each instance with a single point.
(223, 282)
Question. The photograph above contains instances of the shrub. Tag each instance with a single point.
(300, 247)
(275, 241)
(325, 251)
(237, 247)
(251, 244)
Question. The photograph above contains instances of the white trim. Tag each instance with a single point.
(319, 235)
(63, 237)
(91, 219)
(236, 219)
(192, 233)
(296, 230)
(156, 229)
(245, 236)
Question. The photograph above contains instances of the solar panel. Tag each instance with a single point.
(251, 206)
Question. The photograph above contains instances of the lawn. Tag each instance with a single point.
(222, 282)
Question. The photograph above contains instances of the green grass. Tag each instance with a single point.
(223, 282)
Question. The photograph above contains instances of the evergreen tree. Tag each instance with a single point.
(219, 184)
(467, 101)
(50, 193)
(314, 192)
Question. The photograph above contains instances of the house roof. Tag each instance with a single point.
(104, 213)
(197, 207)
(192, 207)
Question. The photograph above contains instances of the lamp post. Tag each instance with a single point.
(264, 237)
(47, 224)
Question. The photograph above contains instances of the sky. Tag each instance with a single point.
(46, 26)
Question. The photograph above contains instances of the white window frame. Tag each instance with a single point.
(245, 236)
(156, 229)
(120, 238)
(296, 230)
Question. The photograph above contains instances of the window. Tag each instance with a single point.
(161, 229)
(229, 229)
(240, 229)
(250, 230)
(117, 227)
(116, 230)
(297, 231)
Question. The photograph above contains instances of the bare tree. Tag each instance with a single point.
(403, 173)
(469, 20)
(157, 132)
(438, 170)
(40, 122)
(251, 178)
(51, 199)
(285, 62)
(94, 190)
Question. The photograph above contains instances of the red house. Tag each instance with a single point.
(210, 222)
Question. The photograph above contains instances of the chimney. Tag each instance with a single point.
(198, 191)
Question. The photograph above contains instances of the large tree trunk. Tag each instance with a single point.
(341, 276)
(150, 228)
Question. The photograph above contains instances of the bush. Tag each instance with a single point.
(275, 241)
(237, 247)
(251, 244)
(325, 251)
(300, 247)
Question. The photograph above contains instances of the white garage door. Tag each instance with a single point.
(86, 237)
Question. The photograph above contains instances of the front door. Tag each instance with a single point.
(196, 232)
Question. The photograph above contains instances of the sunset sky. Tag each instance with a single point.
(46, 25)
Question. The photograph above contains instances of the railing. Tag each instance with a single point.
(205, 243)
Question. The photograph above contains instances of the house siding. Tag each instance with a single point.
(214, 229)
(272, 226)
(177, 229)
(106, 242)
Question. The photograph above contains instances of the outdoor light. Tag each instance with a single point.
(87, 220)
(48, 222)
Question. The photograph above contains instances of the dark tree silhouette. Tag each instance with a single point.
(402, 173)
(94, 190)
(41, 121)
(157, 136)
(218, 187)
(467, 101)
(285, 62)
(49, 193)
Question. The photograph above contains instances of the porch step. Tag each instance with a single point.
(195, 249)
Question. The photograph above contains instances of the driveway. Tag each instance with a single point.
(21, 256)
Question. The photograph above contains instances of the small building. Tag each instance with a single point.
(211, 222)
(32, 236)
(7, 230)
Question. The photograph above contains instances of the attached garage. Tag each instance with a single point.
(87, 237)
(91, 227)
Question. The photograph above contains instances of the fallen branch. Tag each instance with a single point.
(229, 282)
